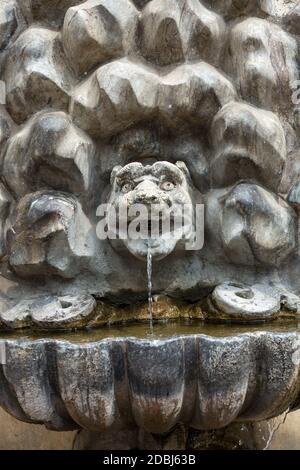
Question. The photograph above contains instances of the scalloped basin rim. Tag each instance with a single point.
(205, 380)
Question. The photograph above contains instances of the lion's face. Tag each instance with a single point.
(152, 199)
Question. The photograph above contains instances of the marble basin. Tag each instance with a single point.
(201, 375)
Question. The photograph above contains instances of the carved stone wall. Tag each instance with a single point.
(94, 84)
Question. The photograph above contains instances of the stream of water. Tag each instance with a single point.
(149, 278)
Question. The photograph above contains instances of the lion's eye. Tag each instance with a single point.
(127, 187)
(167, 186)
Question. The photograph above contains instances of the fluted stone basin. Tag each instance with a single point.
(204, 376)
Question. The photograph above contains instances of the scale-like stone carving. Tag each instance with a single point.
(36, 74)
(8, 22)
(264, 63)
(123, 93)
(231, 8)
(91, 85)
(49, 11)
(104, 28)
(51, 235)
(186, 28)
(249, 143)
(50, 151)
(242, 219)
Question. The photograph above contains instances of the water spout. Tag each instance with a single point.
(149, 278)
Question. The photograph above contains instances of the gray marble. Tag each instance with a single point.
(204, 381)
(155, 102)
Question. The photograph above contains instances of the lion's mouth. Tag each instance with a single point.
(159, 229)
(161, 226)
(153, 228)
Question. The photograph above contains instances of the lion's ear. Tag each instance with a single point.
(182, 166)
(114, 172)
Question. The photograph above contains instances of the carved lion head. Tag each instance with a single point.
(151, 198)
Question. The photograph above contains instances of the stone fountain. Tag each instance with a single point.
(166, 103)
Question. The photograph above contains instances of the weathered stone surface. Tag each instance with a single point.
(294, 195)
(5, 208)
(17, 316)
(115, 96)
(123, 93)
(104, 28)
(244, 302)
(140, 3)
(175, 107)
(51, 11)
(49, 312)
(296, 107)
(253, 225)
(8, 21)
(172, 32)
(162, 308)
(231, 8)
(263, 62)
(51, 235)
(234, 302)
(193, 94)
(147, 144)
(292, 20)
(212, 381)
(50, 151)
(6, 127)
(67, 311)
(36, 74)
(290, 185)
(249, 143)
(277, 8)
(291, 173)
(162, 186)
(144, 84)
(290, 302)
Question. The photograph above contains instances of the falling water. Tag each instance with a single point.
(149, 277)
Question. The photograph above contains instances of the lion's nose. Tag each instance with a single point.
(147, 198)
(148, 193)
